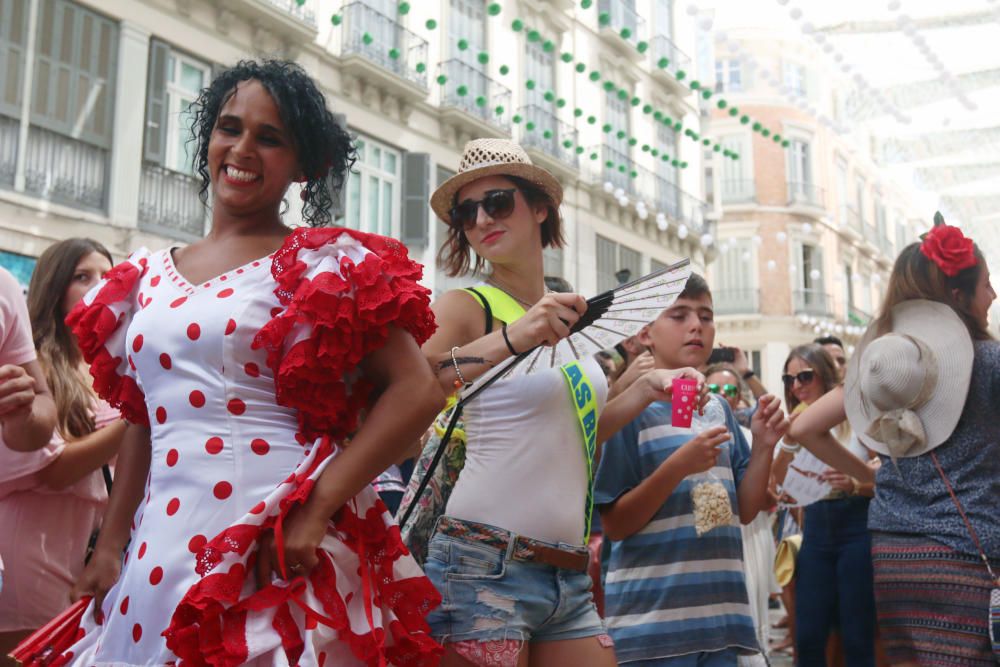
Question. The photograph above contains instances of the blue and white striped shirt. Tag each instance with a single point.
(669, 592)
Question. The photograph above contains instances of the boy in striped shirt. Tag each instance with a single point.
(673, 598)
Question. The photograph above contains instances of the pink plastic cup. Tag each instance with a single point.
(684, 401)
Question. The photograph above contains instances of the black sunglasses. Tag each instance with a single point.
(804, 377)
(498, 204)
(727, 389)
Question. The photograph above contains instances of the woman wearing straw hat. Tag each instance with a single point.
(509, 555)
(924, 392)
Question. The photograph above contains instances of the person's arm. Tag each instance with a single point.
(636, 507)
(654, 385)
(640, 365)
(460, 324)
(27, 411)
(408, 400)
(742, 366)
(81, 457)
(812, 430)
(767, 427)
(131, 472)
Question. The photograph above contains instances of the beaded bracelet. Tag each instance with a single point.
(460, 382)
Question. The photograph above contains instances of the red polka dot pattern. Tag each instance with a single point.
(154, 281)
(172, 457)
(123, 608)
(258, 508)
(226, 293)
(230, 327)
(165, 361)
(161, 414)
(142, 551)
(194, 331)
(177, 303)
(173, 506)
(223, 490)
(137, 343)
(197, 399)
(136, 633)
(196, 543)
(252, 369)
(260, 446)
(156, 575)
(237, 407)
(213, 445)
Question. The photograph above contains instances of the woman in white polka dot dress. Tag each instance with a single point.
(243, 362)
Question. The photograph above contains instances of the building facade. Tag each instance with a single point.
(94, 98)
(810, 224)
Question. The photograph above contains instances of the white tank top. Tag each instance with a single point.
(525, 469)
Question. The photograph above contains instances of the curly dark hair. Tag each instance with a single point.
(325, 150)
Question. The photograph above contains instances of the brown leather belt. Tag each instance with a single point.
(525, 548)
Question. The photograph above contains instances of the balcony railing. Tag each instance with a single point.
(664, 47)
(805, 193)
(616, 167)
(65, 170)
(812, 302)
(9, 129)
(299, 9)
(669, 198)
(623, 18)
(736, 301)
(541, 129)
(380, 39)
(737, 191)
(169, 204)
(475, 93)
(852, 219)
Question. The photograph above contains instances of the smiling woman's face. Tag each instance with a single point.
(511, 238)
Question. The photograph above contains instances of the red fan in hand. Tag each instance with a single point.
(46, 646)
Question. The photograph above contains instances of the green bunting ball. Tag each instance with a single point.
(785, 143)
(493, 9)
(591, 120)
(463, 44)
(606, 128)
(675, 163)
(625, 33)
(623, 94)
(609, 86)
(662, 63)
(549, 96)
(367, 38)
(654, 152)
(421, 68)
(431, 24)
(499, 110)
(480, 101)
(706, 142)
(634, 174)
(560, 103)
(680, 75)
(684, 165)
(658, 115)
(567, 144)
(548, 46)
(517, 25)
(394, 54)
(677, 126)
(647, 108)
(757, 127)
(595, 76)
(744, 119)
(765, 132)
(641, 47)
(336, 19)
(733, 111)
(442, 79)
(645, 148)
(716, 148)
(581, 68)
(534, 35)
(722, 104)
(665, 158)
(483, 57)
(706, 93)
(566, 57)
(593, 156)
(516, 119)
(620, 134)
(462, 90)
(530, 84)
(632, 141)
(695, 85)
(504, 70)
(404, 8)
(578, 112)
(579, 150)
(604, 18)
(609, 164)
(547, 134)
(529, 126)
(585, 4)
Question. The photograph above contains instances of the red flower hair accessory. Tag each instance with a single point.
(951, 250)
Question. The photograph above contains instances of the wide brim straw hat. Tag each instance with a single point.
(492, 157)
(905, 390)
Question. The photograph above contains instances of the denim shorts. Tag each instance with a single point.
(489, 597)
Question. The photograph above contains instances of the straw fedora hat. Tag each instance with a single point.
(906, 390)
(489, 157)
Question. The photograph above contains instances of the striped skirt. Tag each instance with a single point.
(932, 602)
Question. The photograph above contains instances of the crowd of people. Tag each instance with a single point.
(210, 446)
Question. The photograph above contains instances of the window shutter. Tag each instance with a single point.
(416, 194)
(156, 103)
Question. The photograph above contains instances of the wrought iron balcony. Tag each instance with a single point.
(805, 193)
(740, 301)
(299, 9)
(66, 170)
(624, 21)
(541, 129)
(9, 129)
(169, 204)
(738, 191)
(471, 91)
(614, 165)
(812, 302)
(383, 41)
(663, 47)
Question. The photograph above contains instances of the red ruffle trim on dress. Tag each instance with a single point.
(95, 322)
(348, 315)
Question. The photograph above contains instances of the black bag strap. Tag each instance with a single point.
(486, 307)
(106, 469)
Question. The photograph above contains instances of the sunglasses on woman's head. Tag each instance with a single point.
(727, 389)
(498, 204)
(804, 377)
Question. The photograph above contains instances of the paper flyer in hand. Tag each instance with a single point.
(803, 481)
